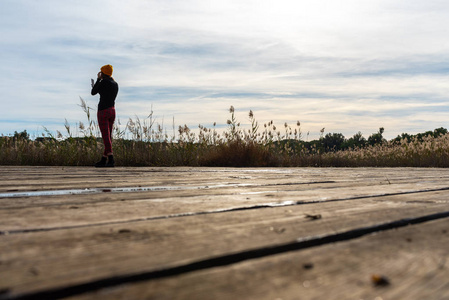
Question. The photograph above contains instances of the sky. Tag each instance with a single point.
(346, 66)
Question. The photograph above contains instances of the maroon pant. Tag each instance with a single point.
(106, 118)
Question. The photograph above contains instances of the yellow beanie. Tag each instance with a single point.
(107, 70)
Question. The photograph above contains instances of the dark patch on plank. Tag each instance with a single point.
(379, 280)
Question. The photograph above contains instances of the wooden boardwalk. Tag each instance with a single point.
(221, 233)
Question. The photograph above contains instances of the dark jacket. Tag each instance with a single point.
(108, 89)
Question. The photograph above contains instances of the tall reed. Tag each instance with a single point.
(145, 142)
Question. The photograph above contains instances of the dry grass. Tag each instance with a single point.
(145, 143)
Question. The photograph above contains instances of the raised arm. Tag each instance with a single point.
(96, 86)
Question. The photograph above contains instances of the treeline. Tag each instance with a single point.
(257, 146)
(240, 149)
(332, 142)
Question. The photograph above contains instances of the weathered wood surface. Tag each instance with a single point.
(406, 258)
(210, 233)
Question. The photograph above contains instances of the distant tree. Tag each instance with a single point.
(333, 141)
(439, 131)
(404, 136)
(21, 135)
(420, 136)
(314, 145)
(376, 138)
(436, 133)
(356, 141)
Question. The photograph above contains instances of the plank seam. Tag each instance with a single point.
(220, 261)
(27, 194)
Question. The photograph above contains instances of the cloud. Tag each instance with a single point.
(345, 65)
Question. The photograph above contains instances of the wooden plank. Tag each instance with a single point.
(44, 260)
(265, 186)
(26, 179)
(413, 261)
(317, 191)
(81, 210)
(85, 178)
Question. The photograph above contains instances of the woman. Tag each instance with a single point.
(108, 89)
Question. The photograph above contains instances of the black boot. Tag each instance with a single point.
(111, 162)
(102, 162)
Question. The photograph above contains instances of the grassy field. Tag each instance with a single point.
(144, 143)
